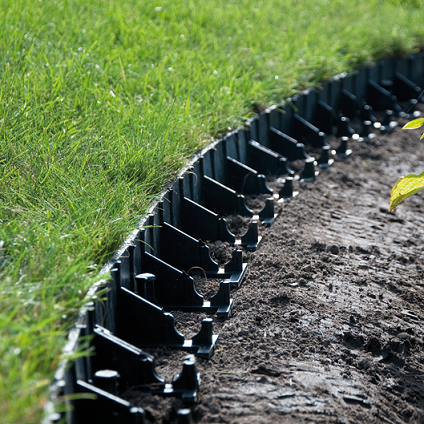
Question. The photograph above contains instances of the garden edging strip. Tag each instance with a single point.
(160, 252)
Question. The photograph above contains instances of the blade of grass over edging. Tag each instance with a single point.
(103, 102)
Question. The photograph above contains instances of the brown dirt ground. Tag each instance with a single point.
(327, 327)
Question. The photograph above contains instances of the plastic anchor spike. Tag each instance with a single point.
(365, 135)
(189, 380)
(411, 110)
(144, 285)
(107, 380)
(286, 191)
(343, 127)
(184, 416)
(250, 239)
(342, 151)
(308, 173)
(222, 303)
(236, 263)
(324, 160)
(205, 336)
(267, 215)
(366, 113)
(235, 269)
(388, 124)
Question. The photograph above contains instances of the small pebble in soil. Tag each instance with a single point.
(334, 249)
(403, 336)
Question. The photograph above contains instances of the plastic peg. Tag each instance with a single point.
(286, 191)
(236, 262)
(388, 124)
(365, 134)
(147, 373)
(184, 416)
(137, 415)
(107, 380)
(367, 114)
(324, 161)
(204, 336)
(411, 110)
(389, 114)
(342, 151)
(251, 239)
(266, 215)
(308, 173)
(188, 380)
(90, 318)
(343, 127)
(145, 286)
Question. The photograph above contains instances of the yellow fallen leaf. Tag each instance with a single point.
(416, 123)
(405, 187)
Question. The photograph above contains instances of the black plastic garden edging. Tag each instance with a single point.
(154, 271)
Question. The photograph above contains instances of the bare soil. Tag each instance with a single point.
(328, 325)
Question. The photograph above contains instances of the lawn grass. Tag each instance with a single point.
(103, 101)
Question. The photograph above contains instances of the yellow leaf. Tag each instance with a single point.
(416, 123)
(405, 187)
